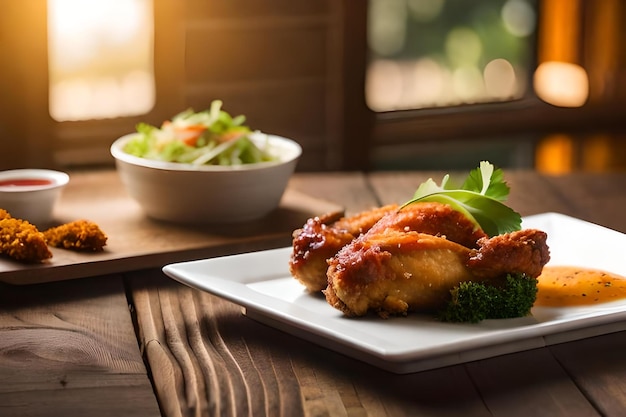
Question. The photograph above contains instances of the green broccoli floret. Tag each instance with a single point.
(475, 301)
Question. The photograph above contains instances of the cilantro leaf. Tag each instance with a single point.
(480, 199)
(487, 181)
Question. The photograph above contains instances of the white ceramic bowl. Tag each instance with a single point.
(30, 194)
(184, 193)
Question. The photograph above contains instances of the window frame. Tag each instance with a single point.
(527, 117)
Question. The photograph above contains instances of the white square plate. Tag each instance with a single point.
(262, 284)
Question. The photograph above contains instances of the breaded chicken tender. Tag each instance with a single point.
(22, 240)
(81, 235)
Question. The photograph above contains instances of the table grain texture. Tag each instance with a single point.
(135, 343)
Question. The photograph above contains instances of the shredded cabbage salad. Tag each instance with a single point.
(210, 137)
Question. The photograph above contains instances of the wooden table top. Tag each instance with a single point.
(130, 341)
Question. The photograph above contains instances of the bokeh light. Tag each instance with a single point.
(433, 53)
(561, 84)
(519, 18)
(500, 79)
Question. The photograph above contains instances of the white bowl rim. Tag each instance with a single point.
(58, 178)
(294, 152)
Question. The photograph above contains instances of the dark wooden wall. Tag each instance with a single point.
(279, 62)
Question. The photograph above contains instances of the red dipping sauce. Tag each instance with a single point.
(25, 182)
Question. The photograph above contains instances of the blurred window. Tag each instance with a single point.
(435, 53)
(100, 59)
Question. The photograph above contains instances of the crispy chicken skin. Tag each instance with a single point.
(394, 272)
(525, 251)
(22, 240)
(79, 235)
(434, 219)
(322, 237)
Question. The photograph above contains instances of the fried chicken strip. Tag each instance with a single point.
(81, 235)
(22, 240)
(391, 271)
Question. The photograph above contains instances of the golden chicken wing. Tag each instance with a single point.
(321, 238)
(435, 219)
(393, 271)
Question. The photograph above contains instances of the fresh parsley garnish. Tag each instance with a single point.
(480, 199)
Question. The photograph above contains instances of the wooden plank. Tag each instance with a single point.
(598, 198)
(349, 190)
(598, 366)
(530, 383)
(208, 358)
(137, 242)
(70, 349)
(531, 194)
(202, 355)
(397, 187)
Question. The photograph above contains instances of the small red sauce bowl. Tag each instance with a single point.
(30, 194)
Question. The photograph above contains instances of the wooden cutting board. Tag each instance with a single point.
(138, 242)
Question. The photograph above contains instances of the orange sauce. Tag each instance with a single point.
(562, 286)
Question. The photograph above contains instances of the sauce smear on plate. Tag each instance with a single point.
(563, 286)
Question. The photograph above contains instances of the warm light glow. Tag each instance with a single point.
(597, 153)
(383, 85)
(100, 58)
(562, 84)
(468, 83)
(393, 85)
(555, 155)
(500, 80)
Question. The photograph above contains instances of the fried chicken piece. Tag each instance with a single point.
(391, 271)
(434, 219)
(22, 240)
(4, 214)
(395, 272)
(524, 251)
(321, 238)
(81, 235)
